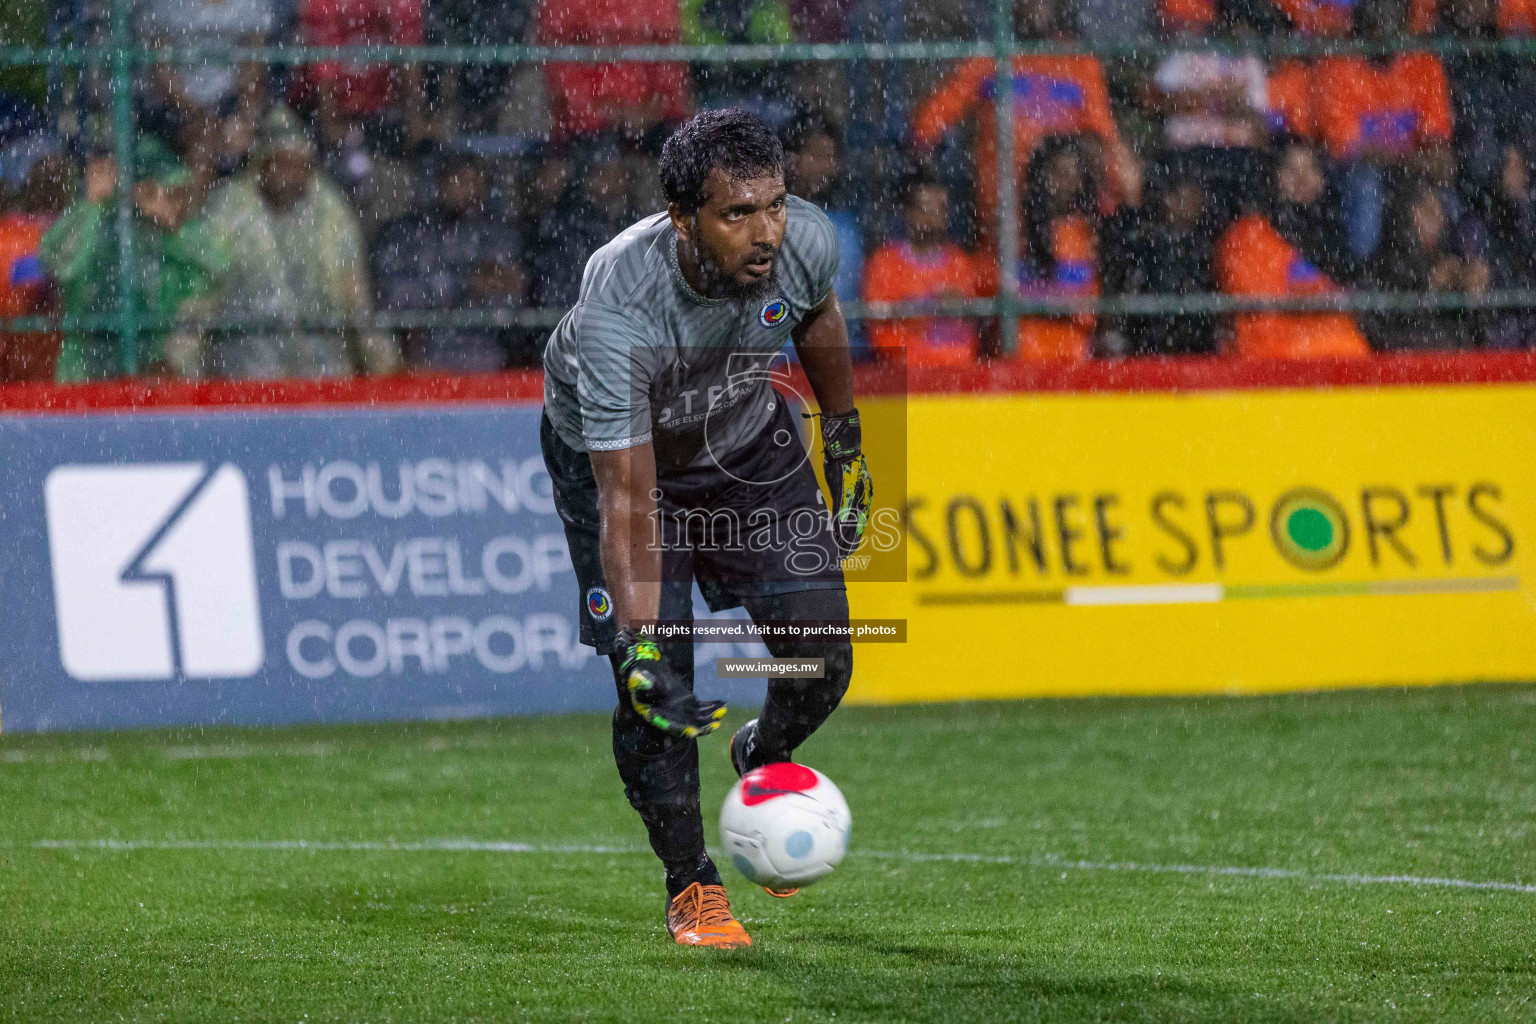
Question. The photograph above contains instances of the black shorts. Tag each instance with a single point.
(753, 524)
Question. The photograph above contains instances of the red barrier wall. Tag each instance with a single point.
(1171, 375)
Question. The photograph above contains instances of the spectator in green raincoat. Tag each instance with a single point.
(297, 255)
(176, 260)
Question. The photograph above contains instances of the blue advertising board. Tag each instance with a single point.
(284, 566)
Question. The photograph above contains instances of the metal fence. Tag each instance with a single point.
(124, 56)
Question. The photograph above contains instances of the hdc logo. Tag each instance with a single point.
(154, 575)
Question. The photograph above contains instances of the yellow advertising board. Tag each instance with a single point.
(1216, 541)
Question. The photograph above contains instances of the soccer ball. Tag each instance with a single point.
(785, 825)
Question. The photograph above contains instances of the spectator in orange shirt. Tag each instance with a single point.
(1052, 95)
(1318, 17)
(1381, 113)
(923, 265)
(1290, 99)
(1253, 259)
(26, 289)
(1058, 249)
(1186, 15)
(1386, 111)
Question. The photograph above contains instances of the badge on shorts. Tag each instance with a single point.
(773, 313)
(598, 604)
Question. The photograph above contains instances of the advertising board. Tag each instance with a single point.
(289, 565)
(1124, 542)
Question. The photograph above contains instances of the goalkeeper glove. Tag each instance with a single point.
(847, 478)
(658, 696)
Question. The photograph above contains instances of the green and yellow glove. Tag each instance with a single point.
(658, 696)
(848, 478)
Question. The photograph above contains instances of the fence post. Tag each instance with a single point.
(123, 147)
(1007, 179)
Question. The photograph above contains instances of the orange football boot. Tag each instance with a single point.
(700, 915)
(781, 894)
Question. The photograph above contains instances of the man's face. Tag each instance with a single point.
(1063, 176)
(1468, 15)
(1515, 176)
(607, 184)
(1183, 204)
(284, 176)
(927, 214)
(1300, 179)
(1035, 19)
(815, 165)
(735, 236)
(1428, 218)
(463, 190)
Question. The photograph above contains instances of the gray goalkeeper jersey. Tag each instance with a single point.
(643, 357)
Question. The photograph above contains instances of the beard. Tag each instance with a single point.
(721, 285)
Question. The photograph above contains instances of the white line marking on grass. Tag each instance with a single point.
(1232, 871)
(908, 856)
(240, 750)
(54, 756)
(382, 846)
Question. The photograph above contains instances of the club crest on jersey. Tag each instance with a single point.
(773, 313)
(599, 606)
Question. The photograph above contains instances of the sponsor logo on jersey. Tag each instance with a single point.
(599, 606)
(773, 313)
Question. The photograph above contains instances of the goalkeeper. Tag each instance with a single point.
(673, 460)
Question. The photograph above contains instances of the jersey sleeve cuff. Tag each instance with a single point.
(613, 445)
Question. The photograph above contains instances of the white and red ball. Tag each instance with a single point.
(785, 825)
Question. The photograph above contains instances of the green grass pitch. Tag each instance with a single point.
(1289, 858)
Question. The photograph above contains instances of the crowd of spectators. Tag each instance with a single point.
(273, 202)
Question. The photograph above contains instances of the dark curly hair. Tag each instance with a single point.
(1039, 208)
(733, 140)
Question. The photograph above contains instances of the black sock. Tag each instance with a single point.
(795, 708)
(661, 781)
(682, 874)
